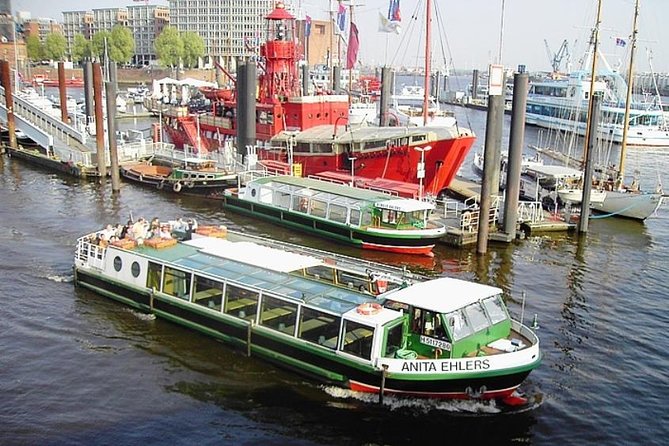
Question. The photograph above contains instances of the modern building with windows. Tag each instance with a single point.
(230, 29)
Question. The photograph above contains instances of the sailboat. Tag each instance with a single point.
(629, 201)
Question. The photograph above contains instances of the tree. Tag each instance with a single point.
(82, 48)
(34, 48)
(121, 44)
(99, 42)
(55, 46)
(193, 48)
(169, 47)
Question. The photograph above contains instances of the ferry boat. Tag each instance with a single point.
(363, 218)
(319, 125)
(342, 321)
(562, 104)
(193, 176)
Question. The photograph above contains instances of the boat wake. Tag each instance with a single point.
(142, 316)
(421, 405)
(60, 278)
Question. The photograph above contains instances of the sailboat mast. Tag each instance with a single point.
(593, 74)
(628, 100)
(428, 54)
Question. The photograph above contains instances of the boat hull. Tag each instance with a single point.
(210, 188)
(378, 241)
(636, 206)
(576, 195)
(463, 382)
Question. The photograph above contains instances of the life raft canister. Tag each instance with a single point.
(369, 308)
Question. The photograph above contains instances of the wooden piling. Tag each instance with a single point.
(5, 79)
(62, 90)
(99, 123)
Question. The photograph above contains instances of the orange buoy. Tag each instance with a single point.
(369, 308)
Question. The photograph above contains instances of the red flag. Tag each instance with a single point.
(353, 44)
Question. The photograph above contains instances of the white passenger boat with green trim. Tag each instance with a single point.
(361, 217)
(355, 324)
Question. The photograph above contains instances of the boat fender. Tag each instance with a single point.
(177, 187)
(189, 184)
(369, 308)
(141, 178)
(161, 184)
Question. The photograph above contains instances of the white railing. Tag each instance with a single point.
(530, 211)
(89, 254)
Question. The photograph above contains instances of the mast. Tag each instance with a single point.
(628, 100)
(428, 37)
(593, 73)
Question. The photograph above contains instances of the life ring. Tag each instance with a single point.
(369, 308)
(177, 187)
(161, 184)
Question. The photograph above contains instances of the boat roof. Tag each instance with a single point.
(551, 171)
(443, 295)
(326, 133)
(261, 267)
(325, 186)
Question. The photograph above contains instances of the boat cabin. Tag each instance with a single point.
(339, 203)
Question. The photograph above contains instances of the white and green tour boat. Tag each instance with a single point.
(354, 324)
(361, 217)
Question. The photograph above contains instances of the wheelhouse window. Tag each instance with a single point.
(208, 293)
(358, 339)
(176, 283)
(278, 314)
(319, 327)
(241, 302)
(495, 309)
(321, 148)
(428, 323)
(394, 340)
(460, 327)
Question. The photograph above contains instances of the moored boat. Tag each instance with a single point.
(343, 321)
(361, 217)
(194, 176)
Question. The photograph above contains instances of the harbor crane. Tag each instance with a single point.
(556, 58)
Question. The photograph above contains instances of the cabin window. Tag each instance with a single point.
(318, 327)
(300, 203)
(358, 339)
(281, 199)
(390, 217)
(302, 147)
(495, 309)
(318, 208)
(265, 195)
(176, 283)
(278, 314)
(135, 269)
(208, 293)
(240, 302)
(153, 276)
(366, 219)
(353, 281)
(354, 218)
(460, 328)
(476, 317)
(337, 213)
(118, 263)
(394, 340)
(427, 323)
(320, 272)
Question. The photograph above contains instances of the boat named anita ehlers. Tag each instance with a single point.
(359, 325)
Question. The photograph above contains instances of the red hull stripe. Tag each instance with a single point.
(496, 394)
(424, 250)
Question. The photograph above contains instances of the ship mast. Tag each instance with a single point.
(428, 37)
(628, 100)
(593, 74)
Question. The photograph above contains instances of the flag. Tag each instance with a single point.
(353, 44)
(620, 42)
(394, 11)
(386, 26)
(307, 26)
(341, 20)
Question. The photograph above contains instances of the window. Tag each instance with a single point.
(320, 272)
(337, 213)
(354, 218)
(318, 208)
(394, 340)
(281, 199)
(176, 283)
(300, 203)
(208, 293)
(118, 263)
(458, 323)
(135, 269)
(366, 219)
(278, 314)
(358, 339)
(476, 317)
(153, 276)
(495, 309)
(241, 302)
(319, 327)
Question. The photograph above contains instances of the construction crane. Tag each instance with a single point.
(556, 58)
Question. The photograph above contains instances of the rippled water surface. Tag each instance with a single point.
(77, 368)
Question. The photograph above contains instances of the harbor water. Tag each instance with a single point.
(78, 368)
